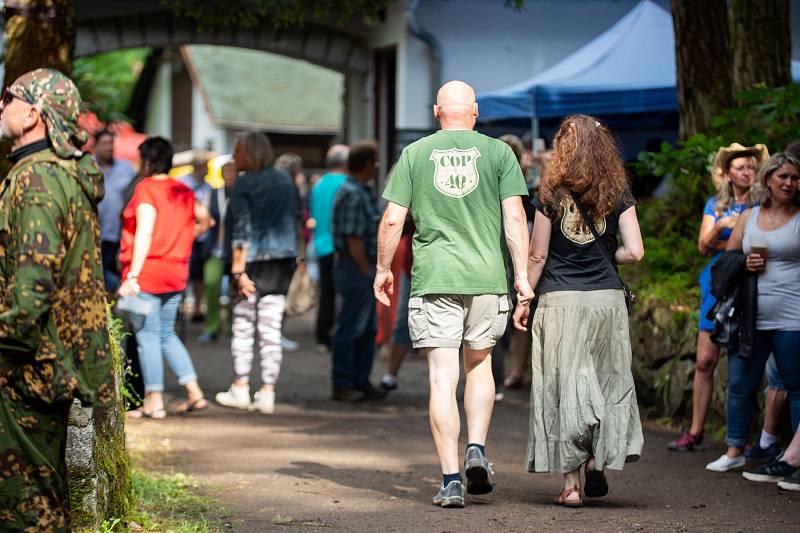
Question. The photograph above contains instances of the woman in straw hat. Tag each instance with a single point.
(733, 173)
(769, 236)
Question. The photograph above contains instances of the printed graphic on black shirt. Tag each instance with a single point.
(572, 225)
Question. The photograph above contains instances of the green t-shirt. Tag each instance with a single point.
(453, 181)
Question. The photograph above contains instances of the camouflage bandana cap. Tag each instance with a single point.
(58, 101)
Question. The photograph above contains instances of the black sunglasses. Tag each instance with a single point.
(8, 97)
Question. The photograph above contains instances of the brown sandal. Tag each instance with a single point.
(561, 499)
(192, 406)
(155, 414)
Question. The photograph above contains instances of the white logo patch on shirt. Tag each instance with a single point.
(456, 171)
(572, 219)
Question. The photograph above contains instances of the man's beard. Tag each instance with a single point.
(4, 133)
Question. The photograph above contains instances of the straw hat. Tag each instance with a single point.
(726, 153)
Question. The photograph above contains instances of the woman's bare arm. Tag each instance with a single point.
(632, 249)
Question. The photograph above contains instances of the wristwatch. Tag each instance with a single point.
(236, 275)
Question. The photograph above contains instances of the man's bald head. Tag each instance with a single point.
(455, 106)
(455, 93)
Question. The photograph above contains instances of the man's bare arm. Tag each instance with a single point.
(389, 233)
(516, 233)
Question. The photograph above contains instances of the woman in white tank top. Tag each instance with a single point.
(769, 236)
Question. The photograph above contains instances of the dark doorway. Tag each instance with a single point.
(384, 91)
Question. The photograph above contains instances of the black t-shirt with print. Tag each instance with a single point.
(574, 262)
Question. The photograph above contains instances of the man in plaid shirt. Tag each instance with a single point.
(355, 229)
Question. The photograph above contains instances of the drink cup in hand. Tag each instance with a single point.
(758, 245)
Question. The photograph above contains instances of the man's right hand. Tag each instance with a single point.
(524, 291)
(384, 286)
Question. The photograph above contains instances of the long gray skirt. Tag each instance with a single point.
(583, 401)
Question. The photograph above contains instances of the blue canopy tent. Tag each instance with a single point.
(630, 68)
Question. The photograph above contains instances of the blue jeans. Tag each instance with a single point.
(744, 381)
(157, 338)
(354, 341)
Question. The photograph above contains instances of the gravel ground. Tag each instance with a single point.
(316, 465)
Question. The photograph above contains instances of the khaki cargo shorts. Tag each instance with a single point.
(448, 321)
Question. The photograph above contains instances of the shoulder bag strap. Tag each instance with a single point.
(588, 221)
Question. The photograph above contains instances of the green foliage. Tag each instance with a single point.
(767, 116)
(106, 81)
(130, 398)
(168, 503)
(283, 13)
(670, 225)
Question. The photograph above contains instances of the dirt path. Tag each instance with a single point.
(317, 466)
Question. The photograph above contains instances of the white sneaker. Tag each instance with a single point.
(289, 345)
(264, 401)
(725, 463)
(237, 396)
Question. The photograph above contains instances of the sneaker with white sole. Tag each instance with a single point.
(237, 396)
(791, 482)
(289, 345)
(770, 472)
(450, 496)
(478, 469)
(264, 401)
(725, 463)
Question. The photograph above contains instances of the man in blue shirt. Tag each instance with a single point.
(117, 175)
(321, 206)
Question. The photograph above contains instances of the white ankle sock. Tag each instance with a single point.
(389, 379)
(767, 439)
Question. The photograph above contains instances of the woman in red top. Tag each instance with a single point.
(158, 228)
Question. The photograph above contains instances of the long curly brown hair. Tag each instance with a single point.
(587, 162)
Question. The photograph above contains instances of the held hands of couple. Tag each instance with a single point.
(523, 309)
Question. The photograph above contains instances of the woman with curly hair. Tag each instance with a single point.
(583, 403)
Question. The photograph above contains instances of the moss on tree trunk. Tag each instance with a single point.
(99, 478)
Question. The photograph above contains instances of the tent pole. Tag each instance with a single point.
(534, 122)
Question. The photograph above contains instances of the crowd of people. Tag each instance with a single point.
(456, 249)
(751, 232)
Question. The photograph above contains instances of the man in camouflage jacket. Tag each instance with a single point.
(53, 335)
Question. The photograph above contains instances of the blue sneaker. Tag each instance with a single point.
(479, 471)
(757, 453)
(450, 496)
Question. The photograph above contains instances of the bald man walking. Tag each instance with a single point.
(463, 190)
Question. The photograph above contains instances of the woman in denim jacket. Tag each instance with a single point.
(264, 220)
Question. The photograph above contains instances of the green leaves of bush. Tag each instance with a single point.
(670, 224)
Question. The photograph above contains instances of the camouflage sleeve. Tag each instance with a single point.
(35, 247)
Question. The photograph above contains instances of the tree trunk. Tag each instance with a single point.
(760, 39)
(39, 33)
(703, 61)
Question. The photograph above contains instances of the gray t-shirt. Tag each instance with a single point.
(779, 284)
